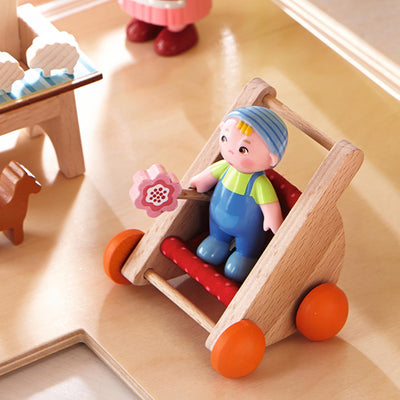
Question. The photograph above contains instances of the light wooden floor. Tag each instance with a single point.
(150, 109)
(72, 373)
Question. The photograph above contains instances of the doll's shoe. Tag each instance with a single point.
(237, 267)
(213, 251)
(170, 43)
(139, 31)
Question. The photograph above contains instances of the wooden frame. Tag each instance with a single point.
(308, 248)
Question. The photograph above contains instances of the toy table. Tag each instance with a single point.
(47, 102)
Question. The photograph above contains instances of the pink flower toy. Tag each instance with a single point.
(156, 190)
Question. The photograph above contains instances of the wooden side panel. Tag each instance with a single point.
(304, 273)
(309, 244)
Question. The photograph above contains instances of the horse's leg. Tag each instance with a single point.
(16, 234)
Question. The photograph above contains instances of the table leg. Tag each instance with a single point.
(64, 133)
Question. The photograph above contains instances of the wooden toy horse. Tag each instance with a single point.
(16, 184)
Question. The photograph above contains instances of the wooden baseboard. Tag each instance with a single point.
(344, 38)
(57, 9)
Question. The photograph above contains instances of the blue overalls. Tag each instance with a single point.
(237, 216)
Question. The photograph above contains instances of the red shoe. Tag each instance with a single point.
(139, 31)
(170, 43)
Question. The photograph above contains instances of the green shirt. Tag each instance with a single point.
(263, 192)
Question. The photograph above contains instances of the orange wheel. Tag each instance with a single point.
(323, 312)
(239, 350)
(117, 251)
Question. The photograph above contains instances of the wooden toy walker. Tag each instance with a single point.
(292, 284)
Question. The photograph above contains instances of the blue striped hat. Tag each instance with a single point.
(267, 123)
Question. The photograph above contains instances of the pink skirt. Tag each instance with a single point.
(192, 12)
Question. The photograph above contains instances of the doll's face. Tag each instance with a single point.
(248, 154)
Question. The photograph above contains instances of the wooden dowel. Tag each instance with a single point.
(181, 301)
(285, 112)
(193, 194)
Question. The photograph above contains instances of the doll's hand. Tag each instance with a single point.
(196, 183)
(272, 216)
(203, 182)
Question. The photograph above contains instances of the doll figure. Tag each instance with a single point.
(169, 22)
(244, 205)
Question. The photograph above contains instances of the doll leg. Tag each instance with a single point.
(240, 262)
(140, 31)
(214, 249)
(177, 38)
(237, 267)
(174, 40)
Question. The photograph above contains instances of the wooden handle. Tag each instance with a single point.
(193, 194)
(179, 299)
(288, 114)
